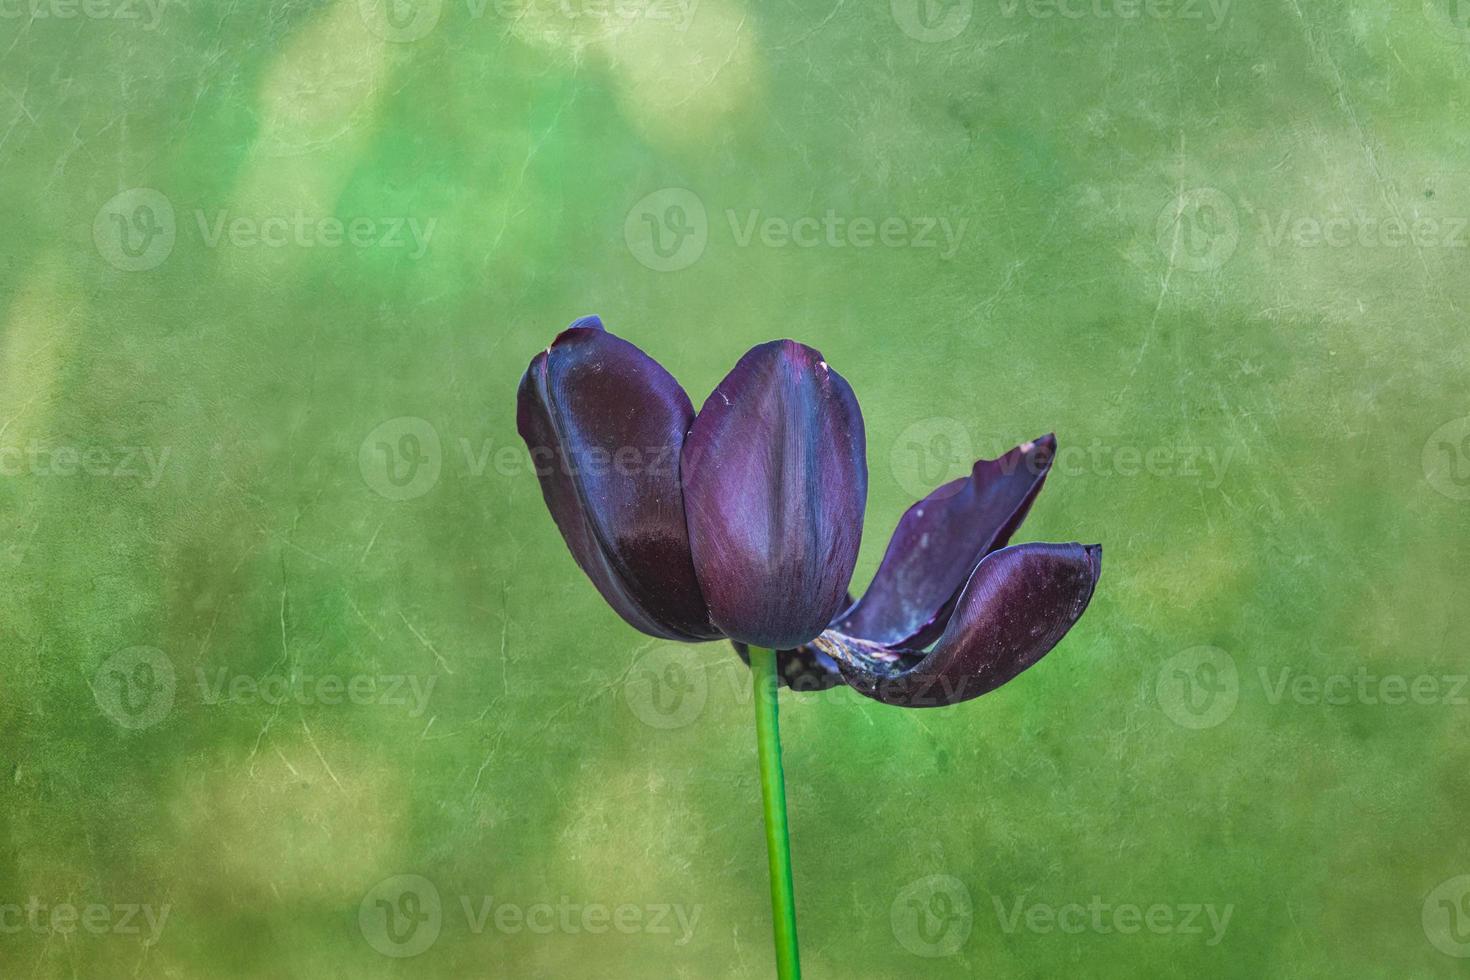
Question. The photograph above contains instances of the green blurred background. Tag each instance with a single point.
(297, 668)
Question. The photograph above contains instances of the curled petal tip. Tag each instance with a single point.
(1041, 450)
(590, 322)
(580, 328)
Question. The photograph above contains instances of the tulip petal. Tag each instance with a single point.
(775, 481)
(940, 540)
(605, 425)
(1018, 604)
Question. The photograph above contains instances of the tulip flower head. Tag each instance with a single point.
(743, 521)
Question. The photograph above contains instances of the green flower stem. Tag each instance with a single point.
(773, 798)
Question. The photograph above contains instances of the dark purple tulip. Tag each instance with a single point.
(752, 532)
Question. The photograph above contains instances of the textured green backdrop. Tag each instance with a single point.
(299, 678)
